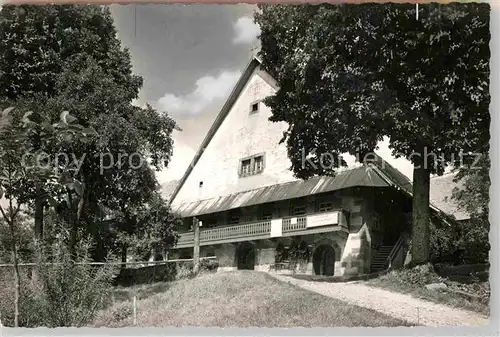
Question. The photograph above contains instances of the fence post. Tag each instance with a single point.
(135, 310)
(196, 246)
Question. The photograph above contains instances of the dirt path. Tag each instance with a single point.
(397, 305)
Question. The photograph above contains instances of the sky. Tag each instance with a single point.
(190, 57)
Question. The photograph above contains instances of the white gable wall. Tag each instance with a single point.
(240, 135)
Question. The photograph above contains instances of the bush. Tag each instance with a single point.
(209, 265)
(185, 269)
(122, 311)
(70, 293)
(465, 242)
(162, 272)
(149, 274)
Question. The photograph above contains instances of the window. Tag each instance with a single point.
(234, 220)
(258, 164)
(234, 217)
(265, 213)
(326, 206)
(254, 107)
(209, 220)
(252, 165)
(299, 210)
(245, 167)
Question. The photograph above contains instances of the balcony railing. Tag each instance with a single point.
(321, 222)
(300, 224)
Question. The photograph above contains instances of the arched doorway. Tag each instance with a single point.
(245, 256)
(324, 260)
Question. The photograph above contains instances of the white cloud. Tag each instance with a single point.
(138, 102)
(246, 31)
(208, 89)
(181, 159)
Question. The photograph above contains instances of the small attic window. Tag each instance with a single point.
(245, 167)
(251, 165)
(258, 164)
(254, 107)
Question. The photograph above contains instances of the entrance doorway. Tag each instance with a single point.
(324, 260)
(245, 256)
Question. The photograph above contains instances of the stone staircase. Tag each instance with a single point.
(379, 263)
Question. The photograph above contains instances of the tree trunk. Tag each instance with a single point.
(124, 256)
(38, 230)
(17, 289)
(38, 213)
(421, 212)
(74, 227)
(17, 277)
(76, 223)
(196, 248)
(11, 221)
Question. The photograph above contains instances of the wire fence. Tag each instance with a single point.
(133, 263)
(133, 272)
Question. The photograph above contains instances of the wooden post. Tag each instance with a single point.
(135, 310)
(196, 246)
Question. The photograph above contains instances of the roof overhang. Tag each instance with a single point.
(364, 176)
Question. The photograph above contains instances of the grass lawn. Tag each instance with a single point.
(235, 299)
(413, 281)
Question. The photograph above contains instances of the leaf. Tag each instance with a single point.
(71, 119)
(1, 192)
(68, 137)
(89, 132)
(78, 187)
(48, 127)
(63, 117)
(26, 116)
(7, 111)
(52, 201)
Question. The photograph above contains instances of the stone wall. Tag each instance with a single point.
(226, 256)
(357, 254)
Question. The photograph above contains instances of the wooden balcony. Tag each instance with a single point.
(259, 230)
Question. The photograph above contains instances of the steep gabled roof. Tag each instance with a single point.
(245, 76)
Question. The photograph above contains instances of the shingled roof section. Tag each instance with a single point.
(440, 195)
(364, 176)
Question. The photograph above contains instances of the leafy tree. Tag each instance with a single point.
(472, 196)
(69, 58)
(18, 171)
(364, 72)
(147, 229)
(13, 180)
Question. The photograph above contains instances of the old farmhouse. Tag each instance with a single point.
(256, 215)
